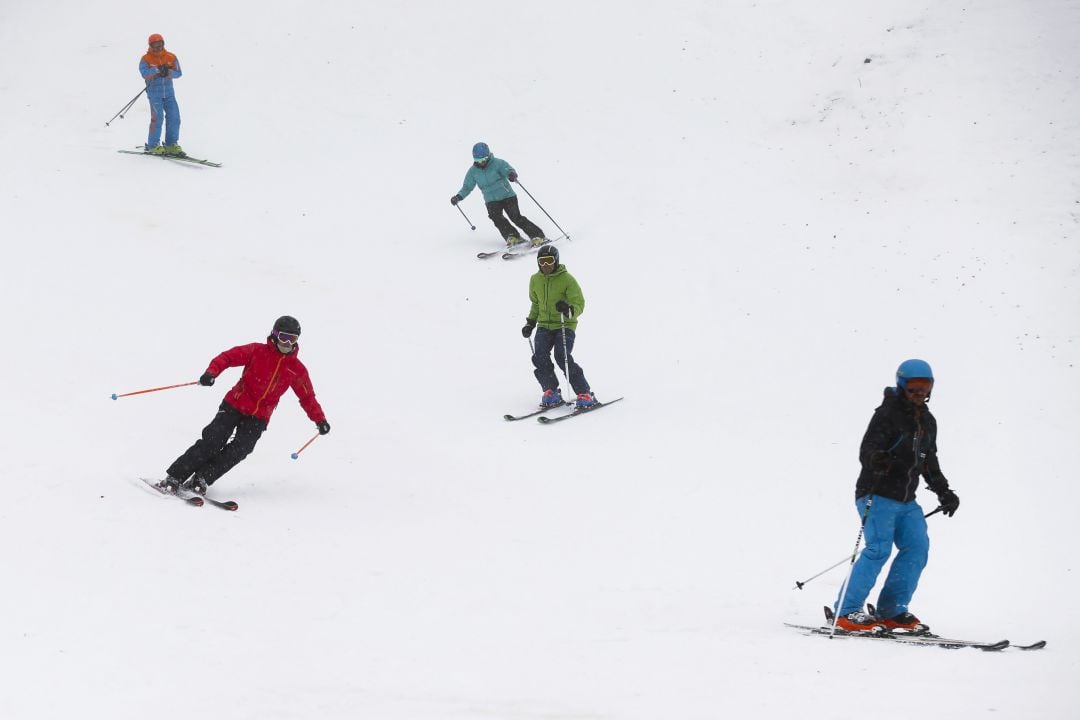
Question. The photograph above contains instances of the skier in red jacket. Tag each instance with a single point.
(270, 368)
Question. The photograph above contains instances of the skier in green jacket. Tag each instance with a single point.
(557, 303)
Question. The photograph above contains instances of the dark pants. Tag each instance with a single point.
(214, 455)
(510, 206)
(546, 341)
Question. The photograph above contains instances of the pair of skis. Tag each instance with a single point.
(521, 250)
(919, 637)
(549, 420)
(190, 498)
(182, 158)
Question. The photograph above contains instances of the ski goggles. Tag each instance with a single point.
(481, 161)
(546, 261)
(919, 386)
(285, 337)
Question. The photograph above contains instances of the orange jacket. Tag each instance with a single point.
(158, 58)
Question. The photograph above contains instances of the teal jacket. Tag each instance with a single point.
(492, 180)
(546, 290)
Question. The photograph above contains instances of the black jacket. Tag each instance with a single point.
(908, 434)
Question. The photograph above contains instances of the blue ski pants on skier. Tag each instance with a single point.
(163, 110)
(889, 522)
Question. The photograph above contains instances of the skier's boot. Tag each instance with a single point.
(859, 621)
(905, 621)
(170, 484)
(159, 150)
(585, 401)
(175, 151)
(513, 241)
(195, 484)
(551, 398)
(538, 241)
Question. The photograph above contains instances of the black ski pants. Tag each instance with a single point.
(510, 207)
(214, 454)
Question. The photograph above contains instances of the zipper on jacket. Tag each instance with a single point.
(912, 487)
(268, 386)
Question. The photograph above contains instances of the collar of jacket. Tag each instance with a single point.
(156, 58)
(273, 344)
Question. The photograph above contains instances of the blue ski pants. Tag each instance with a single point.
(889, 522)
(163, 111)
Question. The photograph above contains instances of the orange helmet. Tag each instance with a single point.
(155, 38)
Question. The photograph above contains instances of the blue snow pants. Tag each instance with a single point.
(163, 111)
(889, 522)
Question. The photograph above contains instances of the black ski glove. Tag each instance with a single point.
(564, 308)
(455, 200)
(529, 326)
(207, 379)
(512, 177)
(163, 71)
(324, 427)
(949, 502)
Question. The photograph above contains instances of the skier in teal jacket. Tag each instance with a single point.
(557, 303)
(494, 176)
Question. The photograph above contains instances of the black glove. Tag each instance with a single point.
(880, 461)
(324, 427)
(163, 71)
(512, 177)
(207, 379)
(949, 502)
(455, 200)
(564, 308)
(527, 330)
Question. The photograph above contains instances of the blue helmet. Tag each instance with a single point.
(913, 369)
(480, 151)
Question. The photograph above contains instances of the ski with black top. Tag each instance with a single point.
(578, 412)
(534, 413)
(223, 504)
(527, 248)
(193, 500)
(917, 637)
(519, 250)
(189, 497)
(184, 158)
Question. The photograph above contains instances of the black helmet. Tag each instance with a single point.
(287, 323)
(548, 251)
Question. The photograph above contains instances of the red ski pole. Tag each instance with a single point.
(297, 453)
(114, 396)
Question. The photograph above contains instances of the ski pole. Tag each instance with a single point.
(126, 107)
(841, 561)
(296, 454)
(114, 396)
(541, 208)
(854, 554)
(471, 226)
(565, 352)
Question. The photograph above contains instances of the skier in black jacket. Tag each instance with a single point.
(899, 446)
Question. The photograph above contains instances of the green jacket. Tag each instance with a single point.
(546, 290)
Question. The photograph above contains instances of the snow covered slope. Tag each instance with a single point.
(772, 204)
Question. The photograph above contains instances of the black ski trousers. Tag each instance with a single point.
(214, 454)
(510, 206)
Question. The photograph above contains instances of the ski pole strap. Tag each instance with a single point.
(115, 396)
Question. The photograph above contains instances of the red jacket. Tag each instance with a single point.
(267, 375)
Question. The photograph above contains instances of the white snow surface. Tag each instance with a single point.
(772, 203)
